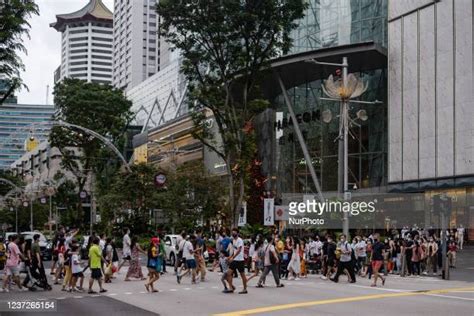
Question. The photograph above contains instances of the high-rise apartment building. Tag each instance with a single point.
(87, 42)
(137, 44)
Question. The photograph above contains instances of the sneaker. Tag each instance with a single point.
(323, 277)
(103, 291)
(24, 289)
(178, 279)
(297, 279)
(243, 292)
(281, 285)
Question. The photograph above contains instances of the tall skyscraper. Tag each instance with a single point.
(87, 39)
(136, 42)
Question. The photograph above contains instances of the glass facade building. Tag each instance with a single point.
(17, 123)
(329, 24)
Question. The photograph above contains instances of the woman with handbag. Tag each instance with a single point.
(153, 264)
(271, 263)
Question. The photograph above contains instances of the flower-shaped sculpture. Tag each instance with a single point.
(335, 88)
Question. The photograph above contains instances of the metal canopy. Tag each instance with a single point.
(294, 70)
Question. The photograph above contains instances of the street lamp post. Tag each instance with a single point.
(351, 88)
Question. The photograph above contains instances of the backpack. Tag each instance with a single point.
(273, 259)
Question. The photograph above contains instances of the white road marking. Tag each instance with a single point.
(61, 298)
(454, 297)
(173, 290)
(142, 292)
(78, 296)
(381, 288)
(112, 294)
(215, 287)
(128, 293)
(187, 288)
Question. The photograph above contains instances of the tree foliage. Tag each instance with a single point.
(225, 44)
(130, 198)
(192, 197)
(97, 107)
(14, 15)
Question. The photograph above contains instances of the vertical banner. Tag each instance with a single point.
(243, 215)
(268, 212)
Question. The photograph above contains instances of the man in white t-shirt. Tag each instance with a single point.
(361, 253)
(126, 251)
(188, 255)
(236, 261)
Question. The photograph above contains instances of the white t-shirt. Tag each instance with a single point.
(361, 248)
(126, 245)
(76, 264)
(67, 242)
(102, 244)
(237, 243)
(188, 250)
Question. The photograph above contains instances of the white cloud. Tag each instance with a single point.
(44, 49)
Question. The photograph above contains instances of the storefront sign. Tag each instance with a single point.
(305, 117)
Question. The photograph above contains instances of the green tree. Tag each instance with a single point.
(192, 196)
(130, 198)
(100, 108)
(14, 15)
(225, 45)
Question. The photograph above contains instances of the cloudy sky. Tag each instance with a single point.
(44, 49)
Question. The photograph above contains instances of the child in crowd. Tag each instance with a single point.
(77, 270)
(223, 262)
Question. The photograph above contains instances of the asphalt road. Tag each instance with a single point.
(312, 296)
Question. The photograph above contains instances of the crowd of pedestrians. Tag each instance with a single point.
(406, 252)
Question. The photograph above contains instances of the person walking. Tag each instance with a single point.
(258, 258)
(345, 261)
(271, 263)
(12, 269)
(76, 269)
(294, 265)
(188, 255)
(378, 249)
(95, 264)
(236, 261)
(199, 255)
(135, 270)
(126, 250)
(153, 264)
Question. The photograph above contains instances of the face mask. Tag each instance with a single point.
(234, 235)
